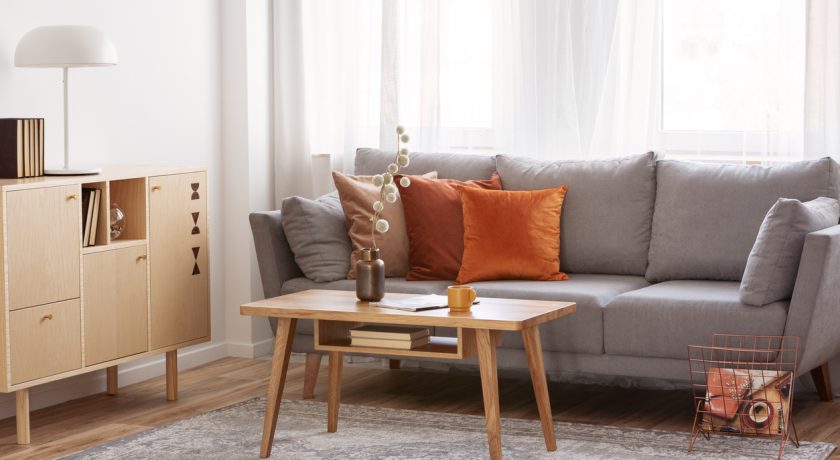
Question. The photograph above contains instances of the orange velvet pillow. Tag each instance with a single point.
(511, 235)
(435, 225)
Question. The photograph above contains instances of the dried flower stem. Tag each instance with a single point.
(376, 214)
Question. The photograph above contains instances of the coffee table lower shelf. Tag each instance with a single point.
(335, 336)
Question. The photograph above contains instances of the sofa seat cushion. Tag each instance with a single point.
(663, 319)
(607, 212)
(396, 285)
(707, 216)
(581, 331)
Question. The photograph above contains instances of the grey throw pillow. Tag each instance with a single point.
(774, 260)
(318, 237)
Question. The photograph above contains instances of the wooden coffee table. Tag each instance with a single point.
(478, 332)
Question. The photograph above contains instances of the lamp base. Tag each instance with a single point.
(72, 171)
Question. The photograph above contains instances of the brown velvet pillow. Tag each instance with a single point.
(357, 194)
(511, 235)
(435, 225)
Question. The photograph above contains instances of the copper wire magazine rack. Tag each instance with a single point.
(742, 385)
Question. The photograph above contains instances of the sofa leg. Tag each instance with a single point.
(393, 363)
(822, 379)
(313, 365)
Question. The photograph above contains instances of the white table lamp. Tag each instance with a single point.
(65, 47)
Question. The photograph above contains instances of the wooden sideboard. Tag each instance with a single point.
(70, 309)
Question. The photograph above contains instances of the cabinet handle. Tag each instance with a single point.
(47, 317)
(143, 257)
(155, 187)
(74, 196)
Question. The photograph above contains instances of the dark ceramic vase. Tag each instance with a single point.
(370, 276)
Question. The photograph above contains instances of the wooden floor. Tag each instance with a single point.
(82, 423)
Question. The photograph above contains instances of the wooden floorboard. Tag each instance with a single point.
(83, 423)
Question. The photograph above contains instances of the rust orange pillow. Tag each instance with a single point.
(511, 235)
(434, 222)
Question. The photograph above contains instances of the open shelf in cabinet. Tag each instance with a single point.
(101, 237)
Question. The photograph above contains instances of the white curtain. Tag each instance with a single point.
(753, 80)
(822, 87)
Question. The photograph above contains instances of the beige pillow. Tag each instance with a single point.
(357, 194)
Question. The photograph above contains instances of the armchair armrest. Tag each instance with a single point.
(814, 312)
(274, 256)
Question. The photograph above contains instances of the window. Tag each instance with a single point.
(733, 76)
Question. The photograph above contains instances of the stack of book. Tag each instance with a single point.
(403, 338)
(21, 147)
(90, 215)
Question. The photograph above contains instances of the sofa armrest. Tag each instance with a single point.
(274, 256)
(814, 313)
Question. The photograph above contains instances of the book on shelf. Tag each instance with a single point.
(385, 343)
(21, 147)
(91, 198)
(87, 204)
(381, 331)
(94, 222)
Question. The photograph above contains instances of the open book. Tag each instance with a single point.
(419, 303)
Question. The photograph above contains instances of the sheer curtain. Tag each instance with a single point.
(753, 80)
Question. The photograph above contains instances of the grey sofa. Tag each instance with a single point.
(654, 250)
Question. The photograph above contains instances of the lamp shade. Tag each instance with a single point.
(65, 46)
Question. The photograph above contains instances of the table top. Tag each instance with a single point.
(490, 313)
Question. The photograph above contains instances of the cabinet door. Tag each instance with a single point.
(116, 304)
(45, 340)
(178, 259)
(44, 245)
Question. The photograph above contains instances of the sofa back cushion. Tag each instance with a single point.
(707, 215)
(607, 212)
(448, 165)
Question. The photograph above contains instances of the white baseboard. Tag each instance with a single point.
(250, 350)
(53, 393)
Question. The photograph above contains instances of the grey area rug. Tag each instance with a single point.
(234, 432)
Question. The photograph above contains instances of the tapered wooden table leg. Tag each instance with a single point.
(533, 349)
(486, 348)
(22, 415)
(111, 377)
(279, 366)
(334, 392)
(172, 375)
(313, 365)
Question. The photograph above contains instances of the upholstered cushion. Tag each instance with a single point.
(582, 331)
(318, 237)
(607, 212)
(707, 215)
(511, 235)
(448, 165)
(774, 260)
(663, 319)
(357, 194)
(435, 225)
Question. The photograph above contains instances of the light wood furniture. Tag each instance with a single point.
(69, 309)
(478, 332)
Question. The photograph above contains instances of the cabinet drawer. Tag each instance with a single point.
(45, 340)
(116, 304)
(44, 241)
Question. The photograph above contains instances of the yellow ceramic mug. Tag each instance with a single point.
(460, 298)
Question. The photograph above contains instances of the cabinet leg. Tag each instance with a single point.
(22, 415)
(113, 384)
(172, 375)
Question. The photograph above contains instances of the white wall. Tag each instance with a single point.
(246, 162)
(160, 105)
